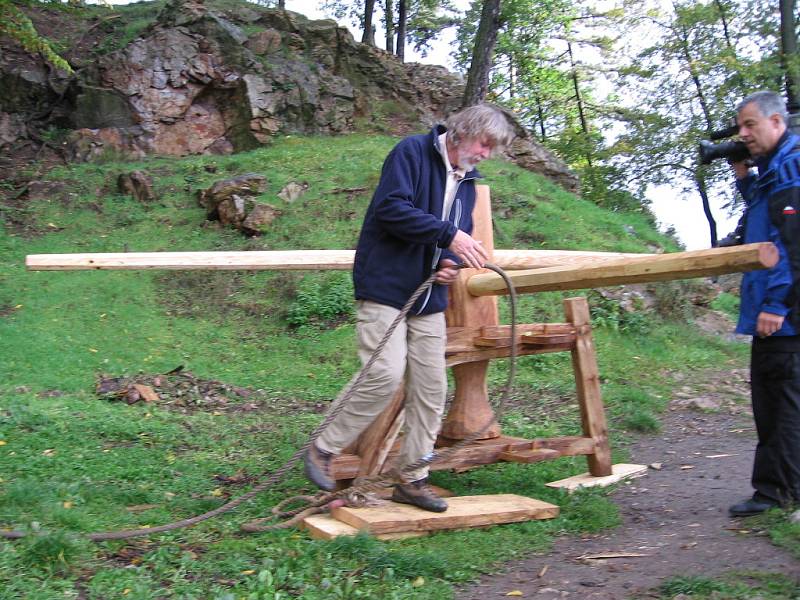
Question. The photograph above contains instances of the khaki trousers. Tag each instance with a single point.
(416, 351)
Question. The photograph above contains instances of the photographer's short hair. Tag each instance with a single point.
(479, 122)
(769, 103)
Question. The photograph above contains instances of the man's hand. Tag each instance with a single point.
(741, 169)
(447, 272)
(468, 249)
(767, 324)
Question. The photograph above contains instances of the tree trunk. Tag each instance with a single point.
(700, 182)
(540, 112)
(402, 23)
(368, 37)
(389, 22)
(579, 101)
(789, 54)
(482, 54)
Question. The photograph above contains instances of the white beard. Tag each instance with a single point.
(467, 163)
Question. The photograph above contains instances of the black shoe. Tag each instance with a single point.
(420, 494)
(751, 506)
(317, 468)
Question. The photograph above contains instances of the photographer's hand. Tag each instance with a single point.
(741, 168)
(767, 324)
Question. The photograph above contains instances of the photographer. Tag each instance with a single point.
(770, 299)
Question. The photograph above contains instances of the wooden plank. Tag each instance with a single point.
(514, 260)
(619, 473)
(662, 267)
(482, 452)
(461, 339)
(530, 455)
(255, 260)
(480, 354)
(587, 384)
(325, 527)
(462, 512)
(287, 259)
(376, 441)
(548, 339)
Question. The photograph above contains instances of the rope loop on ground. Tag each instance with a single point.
(322, 502)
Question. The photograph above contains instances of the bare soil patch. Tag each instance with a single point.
(675, 519)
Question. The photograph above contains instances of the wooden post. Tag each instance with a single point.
(470, 409)
(375, 442)
(587, 382)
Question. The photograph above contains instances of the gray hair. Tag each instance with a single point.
(769, 103)
(482, 121)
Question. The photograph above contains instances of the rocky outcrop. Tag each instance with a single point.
(208, 79)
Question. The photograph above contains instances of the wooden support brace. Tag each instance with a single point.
(587, 382)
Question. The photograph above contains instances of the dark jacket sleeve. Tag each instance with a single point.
(784, 213)
(396, 208)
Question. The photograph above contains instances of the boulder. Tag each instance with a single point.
(138, 184)
(194, 82)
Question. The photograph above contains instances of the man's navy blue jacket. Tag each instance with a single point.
(773, 215)
(404, 235)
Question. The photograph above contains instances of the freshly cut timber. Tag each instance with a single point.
(259, 260)
(462, 511)
(660, 267)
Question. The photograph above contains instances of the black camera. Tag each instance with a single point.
(733, 151)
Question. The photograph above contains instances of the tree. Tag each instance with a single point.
(482, 54)
(703, 59)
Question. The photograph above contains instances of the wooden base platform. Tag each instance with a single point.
(399, 520)
(483, 452)
(620, 472)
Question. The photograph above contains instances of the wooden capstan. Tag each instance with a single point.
(474, 339)
(474, 335)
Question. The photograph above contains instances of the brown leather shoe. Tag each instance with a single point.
(317, 466)
(420, 494)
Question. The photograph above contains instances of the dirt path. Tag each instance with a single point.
(675, 517)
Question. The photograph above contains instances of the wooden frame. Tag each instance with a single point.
(474, 339)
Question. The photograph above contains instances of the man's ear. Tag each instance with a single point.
(776, 120)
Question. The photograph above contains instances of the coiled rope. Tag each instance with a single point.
(318, 502)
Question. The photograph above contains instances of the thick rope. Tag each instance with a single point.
(372, 485)
(321, 500)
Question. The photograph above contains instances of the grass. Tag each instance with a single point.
(73, 461)
(733, 586)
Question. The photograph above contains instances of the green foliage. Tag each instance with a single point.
(732, 586)
(609, 313)
(321, 301)
(636, 408)
(18, 26)
(727, 303)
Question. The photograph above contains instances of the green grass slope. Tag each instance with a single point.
(280, 345)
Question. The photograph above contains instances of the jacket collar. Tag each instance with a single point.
(785, 143)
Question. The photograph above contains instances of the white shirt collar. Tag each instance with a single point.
(458, 173)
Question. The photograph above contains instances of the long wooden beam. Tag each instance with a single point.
(661, 267)
(287, 260)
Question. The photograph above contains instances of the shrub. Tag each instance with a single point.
(321, 301)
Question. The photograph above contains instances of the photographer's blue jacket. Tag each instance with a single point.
(404, 235)
(773, 202)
